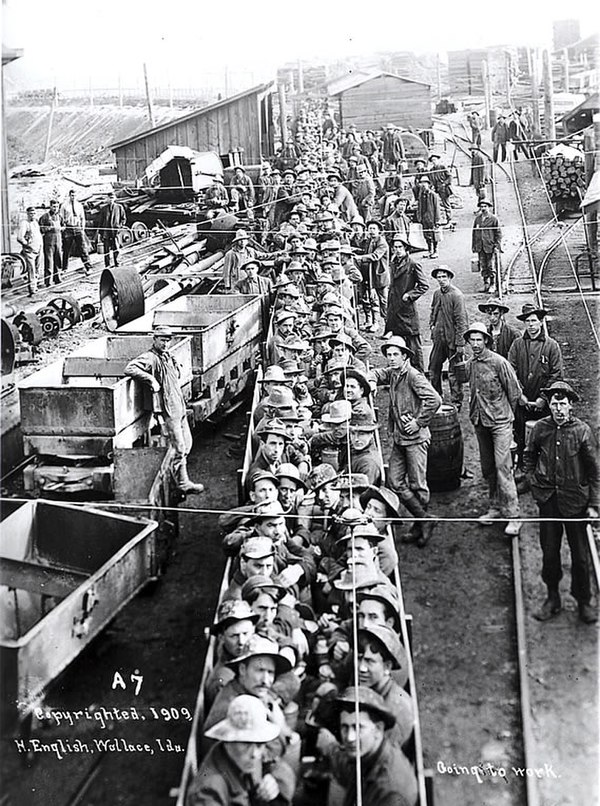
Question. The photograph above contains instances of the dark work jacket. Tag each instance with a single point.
(374, 263)
(537, 362)
(387, 779)
(407, 277)
(563, 461)
(502, 343)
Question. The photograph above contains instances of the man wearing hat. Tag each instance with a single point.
(373, 263)
(387, 776)
(216, 197)
(393, 147)
(397, 222)
(486, 243)
(273, 439)
(112, 217)
(495, 392)
(51, 227)
(158, 370)
(239, 769)
(363, 192)
(413, 402)
(337, 323)
(501, 332)
(408, 283)
(478, 170)
(252, 282)
(341, 196)
(234, 625)
(561, 463)
(428, 215)
(239, 254)
(499, 137)
(441, 182)
(287, 198)
(537, 360)
(30, 238)
(447, 321)
(274, 377)
(292, 489)
(242, 191)
(362, 455)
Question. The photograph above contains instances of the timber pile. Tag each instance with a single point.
(565, 179)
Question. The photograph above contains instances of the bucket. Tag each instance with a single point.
(445, 457)
(331, 457)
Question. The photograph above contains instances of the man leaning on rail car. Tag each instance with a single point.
(158, 369)
(561, 463)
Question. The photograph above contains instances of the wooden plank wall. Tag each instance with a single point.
(233, 126)
(385, 100)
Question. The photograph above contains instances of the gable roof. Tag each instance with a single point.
(258, 90)
(360, 77)
(591, 103)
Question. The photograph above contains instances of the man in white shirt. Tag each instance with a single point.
(74, 239)
(30, 238)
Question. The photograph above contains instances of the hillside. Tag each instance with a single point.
(79, 134)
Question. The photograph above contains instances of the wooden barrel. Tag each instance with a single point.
(445, 459)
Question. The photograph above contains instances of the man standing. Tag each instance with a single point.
(241, 252)
(30, 238)
(561, 463)
(537, 360)
(478, 172)
(428, 215)
(408, 283)
(242, 191)
(112, 218)
(374, 268)
(500, 138)
(495, 392)
(363, 192)
(51, 227)
(398, 223)
(413, 402)
(476, 126)
(74, 238)
(448, 321)
(341, 197)
(252, 282)
(502, 334)
(441, 181)
(158, 369)
(486, 243)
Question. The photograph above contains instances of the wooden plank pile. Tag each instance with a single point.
(565, 179)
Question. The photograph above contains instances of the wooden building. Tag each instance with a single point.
(243, 123)
(582, 115)
(371, 101)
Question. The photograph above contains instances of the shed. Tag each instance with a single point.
(372, 101)
(243, 122)
(582, 115)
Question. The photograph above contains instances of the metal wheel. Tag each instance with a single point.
(140, 231)
(29, 327)
(51, 325)
(125, 236)
(121, 296)
(67, 309)
(88, 310)
(9, 337)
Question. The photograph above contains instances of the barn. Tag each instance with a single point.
(371, 101)
(243, 123)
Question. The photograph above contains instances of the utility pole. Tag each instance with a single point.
(535, 93)
(566, 68)
(549, 125)
(282, 113)
(148, 97)
(50, 122)
(486, 92)
(300, 78)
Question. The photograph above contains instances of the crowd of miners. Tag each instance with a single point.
(309, 689)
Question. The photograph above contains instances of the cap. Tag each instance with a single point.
(247, 720)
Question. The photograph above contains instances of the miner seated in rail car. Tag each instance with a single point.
(263, 488)
(273, 377)
(387, 777)
(280, 399)
(278, 445)
(233, 627)
(292, 488)
(240, 768)
(335, 418)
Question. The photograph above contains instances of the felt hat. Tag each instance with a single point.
(396, 341)
(274, 374)
(260, 475)
(375, 221)
(387, 639)
(356, 578)
(561, 388)
(386, 496)
(340, 411)
(528, 309)
(260, 582)
(230, 611)
(367, 530)
(252, 262)
(240, 235)
(352, 481)
(321, 475)
(384, 594)
(493, 302)
(266, 509)
(368, 700)
(247, 720)
(344, 339)
(164, 331)
(257, 547)
(478, 327)
(444, 268)
(274, 426)
(296, 344)
(283, 315)
(325, 278)
(280, 397)
(287, 470)
(258, 646)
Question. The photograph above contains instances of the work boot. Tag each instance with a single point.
(587, 614)
(423, 528)
(185, 485)
(551, 607)
(414, 533)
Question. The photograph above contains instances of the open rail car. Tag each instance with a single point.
(195, 749)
